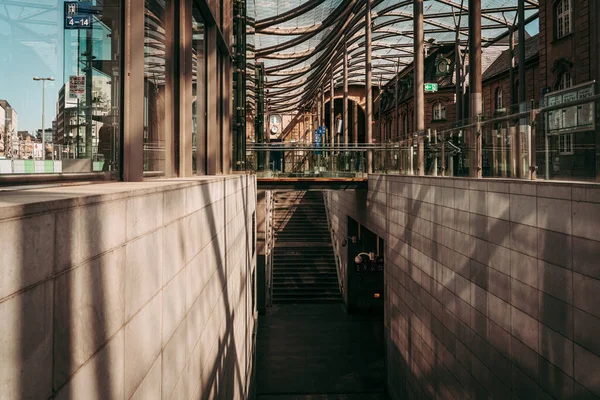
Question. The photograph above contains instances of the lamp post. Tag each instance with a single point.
(37, 78)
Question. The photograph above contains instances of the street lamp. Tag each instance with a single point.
(37, 78)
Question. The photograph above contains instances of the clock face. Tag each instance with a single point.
(443, 66)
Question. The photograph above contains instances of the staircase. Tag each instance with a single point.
(304, 268)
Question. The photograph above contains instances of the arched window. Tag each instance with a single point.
(439, 111)
(498, 98)
(565, 81)
(562, 14)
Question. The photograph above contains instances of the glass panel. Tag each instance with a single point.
(59, 87)
(155, 123)
(198, 91)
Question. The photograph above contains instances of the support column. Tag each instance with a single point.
(212, 95)
(368, 88)
(133, 83)
(396, 111)
(523, 131)
(419, 84)
(595, 43)
(318, 102)
(380, 126)
(345, 116)
(331, 111)
(474, 134)
(458, 79)
(184, 127)
(355, 123)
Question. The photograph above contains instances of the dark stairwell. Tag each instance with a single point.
(304, 269)
(308, 346)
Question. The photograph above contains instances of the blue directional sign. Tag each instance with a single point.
(78, 15)
(318, 139)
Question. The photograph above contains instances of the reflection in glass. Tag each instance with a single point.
(154, 86)
(198, 89)
(59, 87)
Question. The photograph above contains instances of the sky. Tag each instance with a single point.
(34, 43)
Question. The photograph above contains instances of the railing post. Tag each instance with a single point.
(368, 88)
(419, 83)
(475, 87)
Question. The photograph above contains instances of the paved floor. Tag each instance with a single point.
(318, 352)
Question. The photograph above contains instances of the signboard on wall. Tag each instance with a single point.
(431, 87)
(77, 87)
(574, 118)
(78, 15)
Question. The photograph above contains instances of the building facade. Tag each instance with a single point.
(569, 67)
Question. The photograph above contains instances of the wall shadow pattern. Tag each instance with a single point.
(491, 286)
(127, 291)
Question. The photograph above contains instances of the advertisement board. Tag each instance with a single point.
(569, 119)
(77, 87)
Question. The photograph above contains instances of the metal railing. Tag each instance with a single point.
(559, 139)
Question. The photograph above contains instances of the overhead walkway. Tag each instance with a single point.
(316, 183)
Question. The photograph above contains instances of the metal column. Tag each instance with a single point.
(355, 123)
(474, 134)
(133, 92)
(419, 84)
(396, 115)
(368, 88)
(523, 131)
(331, 111)
(345, 116)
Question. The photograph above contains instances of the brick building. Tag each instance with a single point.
(440, 106)
(568, 65)
(498, 95)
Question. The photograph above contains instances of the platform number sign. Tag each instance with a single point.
(78, 15)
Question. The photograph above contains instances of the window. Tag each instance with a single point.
(498, 98)
(565, 81)
(155, 78)
(439, 111)
(62, 80)
(565, 144)
(563, 18)
(198, 92)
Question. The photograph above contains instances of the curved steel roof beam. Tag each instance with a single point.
(297, 71)
(339, 13)
(301, 30)
(288, 15)
(359, 11)
(465, 8)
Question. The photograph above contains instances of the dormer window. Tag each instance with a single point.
(563, 11)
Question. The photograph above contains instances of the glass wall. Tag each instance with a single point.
(59, 86)
(155, 123)
(198, 90)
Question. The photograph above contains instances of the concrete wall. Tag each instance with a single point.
(127, 290)
(492, 287)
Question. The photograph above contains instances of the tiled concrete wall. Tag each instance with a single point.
(492, 287)
(127, 291)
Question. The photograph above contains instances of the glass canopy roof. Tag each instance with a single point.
(299, 40)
